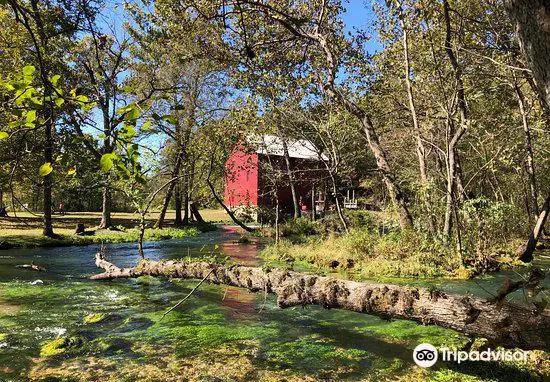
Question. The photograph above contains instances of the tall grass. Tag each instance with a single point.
(368, 253)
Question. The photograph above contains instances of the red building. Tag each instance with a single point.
(257, 173)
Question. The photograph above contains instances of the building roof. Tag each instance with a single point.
(273, 145)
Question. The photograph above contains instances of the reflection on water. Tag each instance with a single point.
(240, 301)
(309, 341)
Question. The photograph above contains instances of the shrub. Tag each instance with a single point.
(299, 227)
(361, 219)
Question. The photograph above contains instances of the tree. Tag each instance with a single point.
(188, 86)
(533, 26)
(49, 26)
(102, 60)
(455, 133)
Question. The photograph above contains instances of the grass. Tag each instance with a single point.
(376, 248)
(24, 230)
(364, 253)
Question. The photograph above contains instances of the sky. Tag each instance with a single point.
(359, 14)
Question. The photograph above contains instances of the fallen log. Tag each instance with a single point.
(502, 324)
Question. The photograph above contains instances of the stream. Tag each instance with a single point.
(115, 332)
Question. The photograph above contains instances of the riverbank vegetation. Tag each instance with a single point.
(24, 230)
(375, 247)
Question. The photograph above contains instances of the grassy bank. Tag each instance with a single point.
(24, 230)
(369, 251)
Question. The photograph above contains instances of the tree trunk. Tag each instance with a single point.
(48, 158)
(532, 18)
(141, 234)
(529, 157)
(396, 195)
(159, 224)
(177, 199)
(186, 198)
(500, 323)
(291, 180)
(190, 180)
(454, 133)
(227, 210)
(451, 190)
(460, 191)
(195, 211)
(276, 217)
(337, 201)
(106, 221)
(41, 48)
(526, 251)
(175, 172)
(220, 201)
(313, 212)
(420, 149)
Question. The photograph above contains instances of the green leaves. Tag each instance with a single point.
(133, 114)
(3, 135)
(59, 101)
(170, 119)
(28, 71)
(128, 132)
(45, 169)
(31, 117)
(107, 161)
(55, 79)
(27, 100)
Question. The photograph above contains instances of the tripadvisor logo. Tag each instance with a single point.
(426, 355)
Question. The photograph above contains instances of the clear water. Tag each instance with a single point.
(245, 332)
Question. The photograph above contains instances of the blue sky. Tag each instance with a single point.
(359, 14)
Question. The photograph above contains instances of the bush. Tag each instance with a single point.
(299, 227)
(488, 229)
(361, 219)
(245, 214)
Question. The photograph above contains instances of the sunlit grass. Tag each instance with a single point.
(23, 229)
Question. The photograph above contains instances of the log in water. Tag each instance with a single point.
(501, 323)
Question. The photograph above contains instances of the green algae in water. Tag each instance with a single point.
(111, 345)
(60, 345)
(94, 318)
(301, 341)
(148, 280)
